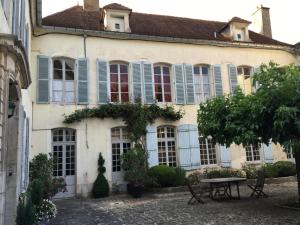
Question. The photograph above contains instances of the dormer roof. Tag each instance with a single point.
(116, 6)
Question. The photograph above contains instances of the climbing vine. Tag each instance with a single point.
(135, 116)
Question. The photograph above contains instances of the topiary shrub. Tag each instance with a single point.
(285, 168)
(36, 191)
(100, 187)
(164, 175)
(270, 170)
(25, 210)
(227, 172)
(179, 177)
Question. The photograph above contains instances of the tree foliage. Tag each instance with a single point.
(100, 186)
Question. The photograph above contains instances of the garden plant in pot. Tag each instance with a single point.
(134, 163)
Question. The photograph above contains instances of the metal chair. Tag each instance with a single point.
(196, 194)
(258, 188)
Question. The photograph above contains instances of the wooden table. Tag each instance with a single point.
(216, 183)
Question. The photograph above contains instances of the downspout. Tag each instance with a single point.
(86, 125)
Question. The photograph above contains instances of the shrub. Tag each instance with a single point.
(217, 173)
(179, 177)
(250, 170)
(25, 210)
(135, 165)
(164, 175)
(36, 191)
(45, 211)
(194, 178)
(285, 168)
(100, 187)
(270, 170)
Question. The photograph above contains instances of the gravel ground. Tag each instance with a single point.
(164, 209)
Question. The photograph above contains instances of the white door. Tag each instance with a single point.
(120, 145)
(64, 156)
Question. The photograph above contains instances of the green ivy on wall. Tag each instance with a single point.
(135, 116)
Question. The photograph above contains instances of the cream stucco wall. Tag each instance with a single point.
(93, 135)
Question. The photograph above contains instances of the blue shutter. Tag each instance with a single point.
(82, 85)
(257, 84)
(218, 80)
(43, 79)
(103, 81)
(225, 156)
(22, 22)
(136, 81)
(189, 84)
(151, 141)
(179, 83)
(189, 152)
(148, 83)
(16, 17)
(233, 82)
(268, 153)
(195, 148)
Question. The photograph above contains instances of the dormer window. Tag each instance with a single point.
(239, 36)
(117, 18)
(236, 29)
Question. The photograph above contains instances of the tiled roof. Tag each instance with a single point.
(239, 20)
(297, 45)
(152, 25)
(116, 6)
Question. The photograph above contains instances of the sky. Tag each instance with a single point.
(285, 16)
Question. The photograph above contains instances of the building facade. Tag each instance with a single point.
(15, 104)
(86, 56)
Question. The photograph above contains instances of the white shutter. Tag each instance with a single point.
(151, 143)
(218, 80)
(82, 81)
(233, 82)
(103, 81)
(136, 71)
(43, 64)
(148, 83)
(225, 156)
(189, 151)
(179, 83)
(268, 153)
(189, 84)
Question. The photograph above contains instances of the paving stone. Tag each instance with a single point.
(167, 209)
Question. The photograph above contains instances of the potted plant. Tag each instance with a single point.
(135, 165)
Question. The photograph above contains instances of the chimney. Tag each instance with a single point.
(261, 21)
(91, 5)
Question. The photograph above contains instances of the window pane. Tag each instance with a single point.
(69, 64)
(124, 87)
(57, 64)
(123, 69)
(124, 97)
(69, 75)
(196, 70)
(166, 70)
(204, 70)
(157, 70)
(240, 70)
(157, 79)
(124, 78)
(247, 71)
(115, 97)
(57, 96)
(57, 74)
(57, 85)
(69, 97)
(114, 87)
(114, 68)
(69, 86)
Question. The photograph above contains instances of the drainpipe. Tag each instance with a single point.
(86, 125)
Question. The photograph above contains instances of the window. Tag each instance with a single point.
(117, 26)
(166, 146)
(203, 84)
(289, 154)
(239, 36)
(119, 90)
(63, 148)
(120, 145)
(162, 80)
(63, 84)
(208, 155)
(252, 153)
(244, 78)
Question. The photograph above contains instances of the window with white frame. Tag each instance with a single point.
(289, 153)
(208, 153)
(63, 148)
(119, 88)
(244, 78)
(166, 141)
(162, 82)
(203, 83)
(252, 153)
(120, 145)
(63, 83)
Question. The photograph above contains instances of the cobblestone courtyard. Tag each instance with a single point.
(161, 209)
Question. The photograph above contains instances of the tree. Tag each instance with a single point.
(272, 112)
(100, 187)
